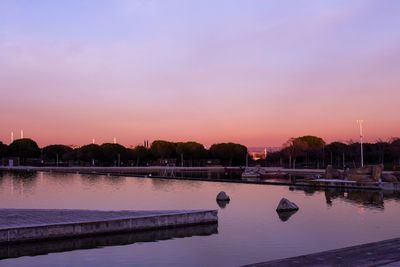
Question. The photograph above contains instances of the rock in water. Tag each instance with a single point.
(222, 196)
(286, 205)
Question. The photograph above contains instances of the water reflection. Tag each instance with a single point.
(354, 217)
(46, 247)
(285, 215)
(366, 198)
(91, 179)
(63, 179)
(373, 199)
(115, 180)
(203, 175)
(222, 203)
(23, 183)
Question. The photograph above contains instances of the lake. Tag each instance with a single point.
(249, 229)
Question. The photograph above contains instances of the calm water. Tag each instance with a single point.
(249, 229)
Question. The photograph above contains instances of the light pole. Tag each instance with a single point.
(360, 122)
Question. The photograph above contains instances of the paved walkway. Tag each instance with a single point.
(383, 253)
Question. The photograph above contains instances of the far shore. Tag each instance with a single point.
(169, 168)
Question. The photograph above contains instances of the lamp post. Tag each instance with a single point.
(360, 122)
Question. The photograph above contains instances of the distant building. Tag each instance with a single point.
(257, 153)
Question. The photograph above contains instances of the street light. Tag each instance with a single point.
(360, 122)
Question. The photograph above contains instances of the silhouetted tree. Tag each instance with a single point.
(140, 155)
(24, 148)
(112, 153)
(395, 151)
(90, 153)
(3, 150)
(163, 149)
(294, 148)
(54, 152)
(229, 153)
(313, 142)
(382, 148)
(191, 150)
(314, 148)
(336, 153)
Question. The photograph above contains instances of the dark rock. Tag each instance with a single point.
(286, 205)
(222, 196)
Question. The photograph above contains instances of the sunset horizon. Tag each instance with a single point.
(256, 73)
(199, 133)
(129, 142)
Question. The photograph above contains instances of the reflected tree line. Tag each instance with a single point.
(26, 151)
(366, 198)
(314, 152)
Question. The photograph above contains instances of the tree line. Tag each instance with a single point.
(110, 154)
(300, 152)
(313, 152)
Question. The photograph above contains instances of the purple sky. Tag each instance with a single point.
(254, 72)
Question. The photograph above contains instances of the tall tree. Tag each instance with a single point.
(337, 153)
(3, 150)
(295, 147)
(313, 149)
(56, 152)
(90, 153)
(229, 153)
(24, 148)
(191, 150)
(395, 150)
(163, 149)
(140, 155)
(112, 153)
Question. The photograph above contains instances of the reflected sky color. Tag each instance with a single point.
(249, 229)
(254, 72)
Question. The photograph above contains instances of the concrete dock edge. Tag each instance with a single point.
(135, 223)
(382, 253)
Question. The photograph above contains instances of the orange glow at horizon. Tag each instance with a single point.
(256, 73)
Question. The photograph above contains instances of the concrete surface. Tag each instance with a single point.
(383, 253)
(19, 225)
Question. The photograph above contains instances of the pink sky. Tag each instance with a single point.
(256, 73)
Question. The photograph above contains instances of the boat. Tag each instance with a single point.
(251, 173)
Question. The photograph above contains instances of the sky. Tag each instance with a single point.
(256, 72)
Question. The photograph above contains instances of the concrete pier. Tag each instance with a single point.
(383, 253)
(21, 225)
